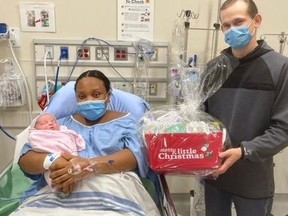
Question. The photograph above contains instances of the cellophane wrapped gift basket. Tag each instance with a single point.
(183, 138)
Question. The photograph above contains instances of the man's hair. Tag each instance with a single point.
(252, 8)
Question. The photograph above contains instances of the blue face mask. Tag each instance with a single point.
(92, 110)
(238, 37)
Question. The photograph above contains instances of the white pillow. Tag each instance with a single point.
(63, 102)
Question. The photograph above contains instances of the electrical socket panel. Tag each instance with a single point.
(120, 53)
(83, 53)
(153, 88)
(102, 53)
(154, 57)
(50, 52)
(4, 31)
(64, 52)
(124, 86)
(141, 88)
(14, 34)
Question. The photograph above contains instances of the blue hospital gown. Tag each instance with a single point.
(110, 137)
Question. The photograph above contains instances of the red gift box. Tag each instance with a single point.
(184, 152)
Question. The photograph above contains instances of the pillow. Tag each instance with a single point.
(63, 102)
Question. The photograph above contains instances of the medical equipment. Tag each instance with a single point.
(101, 43)
(186, 15)
(178, 52)
(47, 92)
(282, 37)
(17, 88)
(6, 133)
(184, 20)
(12, 92)
(50, 86)
(120, 70)
(144, 52)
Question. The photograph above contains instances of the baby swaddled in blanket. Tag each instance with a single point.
(46, 135)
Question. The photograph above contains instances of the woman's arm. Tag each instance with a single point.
(32, 162)
(120, 161)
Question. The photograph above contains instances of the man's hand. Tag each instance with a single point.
(229, 157)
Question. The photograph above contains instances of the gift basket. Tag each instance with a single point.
(183, 138)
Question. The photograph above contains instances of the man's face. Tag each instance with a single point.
(235, 15)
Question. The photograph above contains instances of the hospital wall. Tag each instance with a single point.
(82, 19)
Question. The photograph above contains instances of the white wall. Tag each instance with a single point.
(82, 19)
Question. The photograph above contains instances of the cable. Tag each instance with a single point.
(101, 43)
(107, 59)
(212, 45)
(142, 54)
(25, 81)
(46, 79)
(6, 133)
(57, 74)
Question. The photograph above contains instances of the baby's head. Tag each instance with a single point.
(46, 121)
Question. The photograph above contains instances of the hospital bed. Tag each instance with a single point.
(13, 182)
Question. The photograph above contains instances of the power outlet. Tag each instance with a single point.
(124, 86)
(141, 88)
(83, 53)
(120, 54)
(153, 88)
(102, 53)
(154, 56)
(50, 52)
(14, 34)
(64, 52)
(4, 31)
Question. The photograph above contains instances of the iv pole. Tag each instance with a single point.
(282, 39)
(187, 28)
(218, 28)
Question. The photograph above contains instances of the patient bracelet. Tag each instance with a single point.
(49, 159)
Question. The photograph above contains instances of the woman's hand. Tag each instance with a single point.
(59, 175)
(66, 170)
(80, 166)
(229, 157)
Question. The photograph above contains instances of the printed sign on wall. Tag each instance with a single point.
(37, 17)
(135, 20)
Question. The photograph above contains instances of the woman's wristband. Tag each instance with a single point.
(49, 159)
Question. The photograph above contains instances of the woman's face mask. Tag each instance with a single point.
(239, 36)
(92, 109)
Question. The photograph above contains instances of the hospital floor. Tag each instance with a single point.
(182, 204)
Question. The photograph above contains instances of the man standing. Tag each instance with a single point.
(253, 105)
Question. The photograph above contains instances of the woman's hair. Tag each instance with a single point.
(96, 74)
(251, 6)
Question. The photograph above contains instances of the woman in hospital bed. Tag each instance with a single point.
(104, 178)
